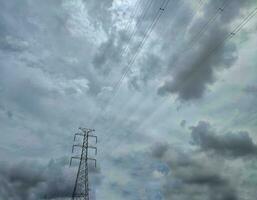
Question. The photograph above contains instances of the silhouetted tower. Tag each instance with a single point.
(81, 188)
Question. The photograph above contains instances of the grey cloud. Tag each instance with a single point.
(112, 52)
(194, 70)
(99, 12)
(159, 149)
(13, 44)
(231, 144)
(33, 82)
(139, 167)
(183, 123)
(195, 177)
(29, 180)
(26, 89)
(36, 33)
(150, 70)
(107, 55)
(251, 89)
(192, 76)
(188, 175)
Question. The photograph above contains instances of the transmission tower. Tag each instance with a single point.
(81, 188)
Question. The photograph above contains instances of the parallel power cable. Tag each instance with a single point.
(163, 4)
(229, 36)
(157, 18)
(134, 29)
(208, 23)
(204, 28)
(183, 3)
(146, 36)
(134, 14)
(117, 85)
(128, 24)
(193, 14)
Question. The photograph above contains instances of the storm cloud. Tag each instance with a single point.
(159, 149)
(29, 180)
(233, 144)
(251, 89)
(195, 177)
(193, 69)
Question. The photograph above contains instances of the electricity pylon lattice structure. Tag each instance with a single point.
(81, 188)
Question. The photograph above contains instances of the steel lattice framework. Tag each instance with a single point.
(81, 188)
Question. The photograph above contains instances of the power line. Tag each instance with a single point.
(117, 85)
(134, 30)
(134, 14)
(137, 6)
(204, 28)
(199, 7)
(164, 5)
(157, 18)
(229, 36)
(149, 31)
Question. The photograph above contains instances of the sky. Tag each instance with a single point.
(171, 93)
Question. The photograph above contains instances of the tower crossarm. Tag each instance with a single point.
(74, 157)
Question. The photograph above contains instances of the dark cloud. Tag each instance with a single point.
(195, 177)
(152, 68)
(29, 180)
(139, 167)
(231, 144)
(194, 69)
(183, 123)
(159, 149)
(103, 15)
(23, 31)
(107, 55)
(13, 44)
(251, 89)
(28, 91)
(120, 47)
(40, 69)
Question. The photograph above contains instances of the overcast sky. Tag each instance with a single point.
(173, 106)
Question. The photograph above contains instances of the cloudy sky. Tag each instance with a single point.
(170, 86)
